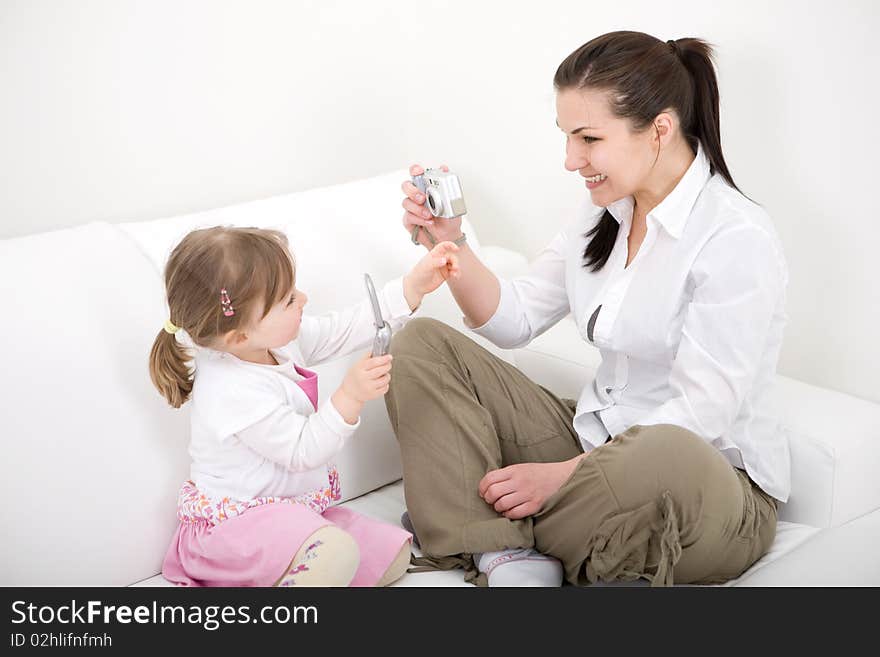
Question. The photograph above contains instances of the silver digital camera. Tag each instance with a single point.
(442, 190)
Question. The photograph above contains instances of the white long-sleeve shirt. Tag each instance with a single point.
(254, 430)
(689, 332)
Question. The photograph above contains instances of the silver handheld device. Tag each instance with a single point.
(382, 341)
(443, 196)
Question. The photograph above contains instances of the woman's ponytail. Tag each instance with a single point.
(705, 124)
(168, 369)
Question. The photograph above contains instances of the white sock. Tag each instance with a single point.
(520, 567)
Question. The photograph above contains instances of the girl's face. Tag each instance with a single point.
(613, 159)
(281, 325)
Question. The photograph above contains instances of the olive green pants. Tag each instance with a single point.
(655, 502)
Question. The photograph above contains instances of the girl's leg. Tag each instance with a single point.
(459, 412)
(328, 557)
(398, 567)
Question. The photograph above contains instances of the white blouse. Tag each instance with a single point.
(689, 332)
(254, 430)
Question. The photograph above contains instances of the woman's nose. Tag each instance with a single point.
(575, 158)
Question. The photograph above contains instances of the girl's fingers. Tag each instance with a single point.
(416, 170)
(379, 362)
(376, 376)
(379, 384)
(445, 248)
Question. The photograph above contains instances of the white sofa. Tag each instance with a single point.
(93, 457)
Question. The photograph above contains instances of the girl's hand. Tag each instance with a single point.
(417, 213)
(518, 491)
(368, 378)
(429, 273)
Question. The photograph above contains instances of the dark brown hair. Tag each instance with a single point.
(645, 77)
(255, 268)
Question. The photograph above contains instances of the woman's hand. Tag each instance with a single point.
(429, 273)
(520, 490)
(418, 214)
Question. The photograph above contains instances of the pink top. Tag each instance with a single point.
(309, 384)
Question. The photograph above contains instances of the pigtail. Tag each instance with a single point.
(169, 370)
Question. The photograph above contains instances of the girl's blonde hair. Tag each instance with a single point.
(255, 268)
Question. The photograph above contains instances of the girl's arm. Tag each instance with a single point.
(340, 333)
(300, 442)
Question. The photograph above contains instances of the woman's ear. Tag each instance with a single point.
(664, 127)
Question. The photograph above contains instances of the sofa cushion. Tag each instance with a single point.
(92, 455)
(387, 504)
(845, 555)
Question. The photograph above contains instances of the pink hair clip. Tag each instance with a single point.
(226, 304)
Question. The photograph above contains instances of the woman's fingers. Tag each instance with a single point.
(521, 511)
(498, 490)
(417, 209)
(492, 477)
(413, 192)
(510, 501)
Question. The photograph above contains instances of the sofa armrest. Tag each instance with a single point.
(835, 453)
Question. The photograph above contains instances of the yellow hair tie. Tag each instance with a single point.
(170, 328)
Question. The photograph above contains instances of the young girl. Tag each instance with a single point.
(256, 510)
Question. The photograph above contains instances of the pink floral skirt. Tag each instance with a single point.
(252, 543)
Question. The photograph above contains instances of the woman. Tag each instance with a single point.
(670, 464)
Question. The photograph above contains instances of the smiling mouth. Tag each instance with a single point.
(599, 177)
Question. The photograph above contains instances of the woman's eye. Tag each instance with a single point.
(590, 140)
(290, 301)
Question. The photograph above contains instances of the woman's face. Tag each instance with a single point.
(614, 160)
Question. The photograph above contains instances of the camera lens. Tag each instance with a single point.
(434, 203)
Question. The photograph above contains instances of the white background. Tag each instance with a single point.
(126, 110)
